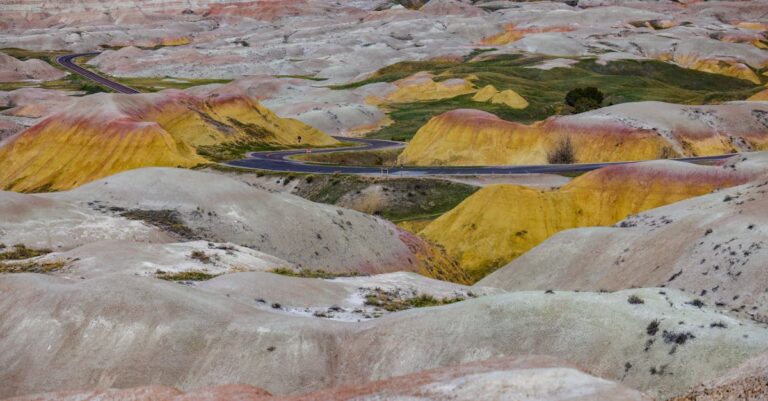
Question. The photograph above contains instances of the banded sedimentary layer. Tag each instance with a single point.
(624, 132)
(501, 222)
(103, 134)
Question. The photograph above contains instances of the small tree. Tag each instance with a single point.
(584, 99)
(563, 153)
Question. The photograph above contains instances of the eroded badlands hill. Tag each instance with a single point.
(712, 246)
(152, 331)
(102, 134)
(533, 377)
(630, 131)
(13, 70)
(346, 41)
(501, 222)
(168, 205)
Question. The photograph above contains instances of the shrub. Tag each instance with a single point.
(563, 153)
(652, 328)
(635, 300)
(185, 276)
(671, 337)
(584, 99)
(309, 273)
(201, 256)
(697, 303)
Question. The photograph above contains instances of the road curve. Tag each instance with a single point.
(67, 61)
(279, 160)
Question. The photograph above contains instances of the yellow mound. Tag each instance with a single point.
(513, 33)
(761, 96)
(422, 86)
(715, 66)
(507, 97)
(473, 137)
(104, 134)
(500, 222)
(753, 26)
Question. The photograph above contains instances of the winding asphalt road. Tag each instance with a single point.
(67, 62)
(280, 160)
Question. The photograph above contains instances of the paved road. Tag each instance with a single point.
(68, 63)
(279, 161)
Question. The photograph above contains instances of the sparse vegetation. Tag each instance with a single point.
(626, 81)
(85, 85)
(697, 303)
(258, 140)
(563, 153)
(309, 273)
(386, 157)
(429, 198)
(635, 300)
(307, 77)
(667, 152)
(201, 256)
(393, 302)
(680, 338)
(191, 275)
(31, 267)
(653, 328)
(166, 219)
(20, 251)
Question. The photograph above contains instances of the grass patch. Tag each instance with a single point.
(238, 149)
(545, 90)
(32, 267)
(167, 220)
(403, 198)
(20, 251)
(192, 275)
(155, 84)
(309, 273)
(307, 77)
(385, 157)
(429, 197)
(86, 85)
(393, 302)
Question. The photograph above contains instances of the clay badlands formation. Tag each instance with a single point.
(550, 200)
